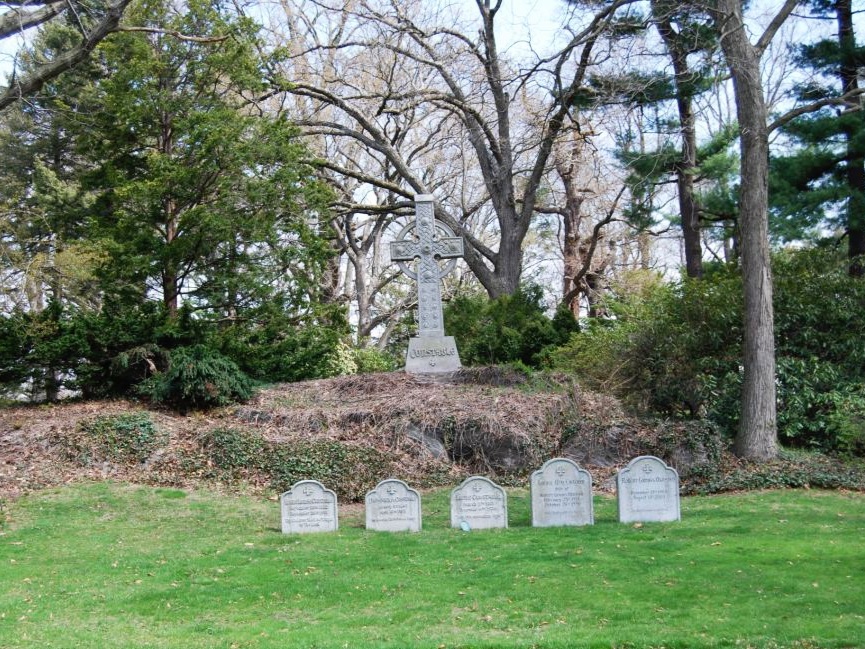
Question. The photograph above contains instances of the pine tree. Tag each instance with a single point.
(200, 214)
(689, 41)
(822, 184)
(201, 200)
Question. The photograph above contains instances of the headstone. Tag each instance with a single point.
(308, 507)
(561, 495)
(393, 507)
(428, 241)
(479, 503)
(648, 491)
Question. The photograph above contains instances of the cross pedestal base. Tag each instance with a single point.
(432, 355)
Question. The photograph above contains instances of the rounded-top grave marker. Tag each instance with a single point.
(648, 491)
(308, 507)
(480, 504)
(393, 506)
(561, 494)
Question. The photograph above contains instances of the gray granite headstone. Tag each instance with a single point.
(561, 495)
(393, 506)
(429, 242)
(308, 507)
(479, 503)
(648, 491)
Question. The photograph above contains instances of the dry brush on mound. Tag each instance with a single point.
(348, 432)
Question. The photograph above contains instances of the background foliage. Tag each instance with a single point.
(675, 350)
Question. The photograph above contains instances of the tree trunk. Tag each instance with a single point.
(170, 275)
(170, 288)
(855, 163)
(571, 218)
(685, 168)
(687, 205)
(571, 254)
(757, 435)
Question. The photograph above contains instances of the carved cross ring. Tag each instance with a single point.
(409, 236)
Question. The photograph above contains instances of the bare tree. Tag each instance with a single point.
(468, 101)
(586, 200)
(368, 203)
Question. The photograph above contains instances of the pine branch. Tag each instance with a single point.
(843, 100)
(34, 81)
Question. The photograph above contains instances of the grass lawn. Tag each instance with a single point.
(109, 565)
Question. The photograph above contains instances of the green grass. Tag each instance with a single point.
(107, 565)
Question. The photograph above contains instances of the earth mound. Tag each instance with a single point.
(348, 432)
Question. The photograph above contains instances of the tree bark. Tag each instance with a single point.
(849, 74)
(757, 436)
(572, 217)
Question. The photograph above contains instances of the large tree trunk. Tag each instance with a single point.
(571, 249)
(573, 281)
(757, 436)
(855, 163)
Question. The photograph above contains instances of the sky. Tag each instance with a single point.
(518, 20)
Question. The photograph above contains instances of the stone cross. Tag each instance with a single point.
(428, 241)
(428, 247)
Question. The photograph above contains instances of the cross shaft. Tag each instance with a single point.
(427, 247)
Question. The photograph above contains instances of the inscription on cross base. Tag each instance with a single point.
(422, 241)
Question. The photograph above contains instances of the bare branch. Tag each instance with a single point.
(44, 73)
(365, 178)
(18, 20)
(596, 236)
(175, 34)
(843, 100)
(782, 15)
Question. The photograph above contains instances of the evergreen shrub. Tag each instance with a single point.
(127, 342)
(677, 350)
(198, 378)
(368, 360)
(512, 328)
(280, 350)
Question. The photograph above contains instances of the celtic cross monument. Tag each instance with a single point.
(428, 241)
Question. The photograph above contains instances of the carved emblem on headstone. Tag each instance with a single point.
(429, 242)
